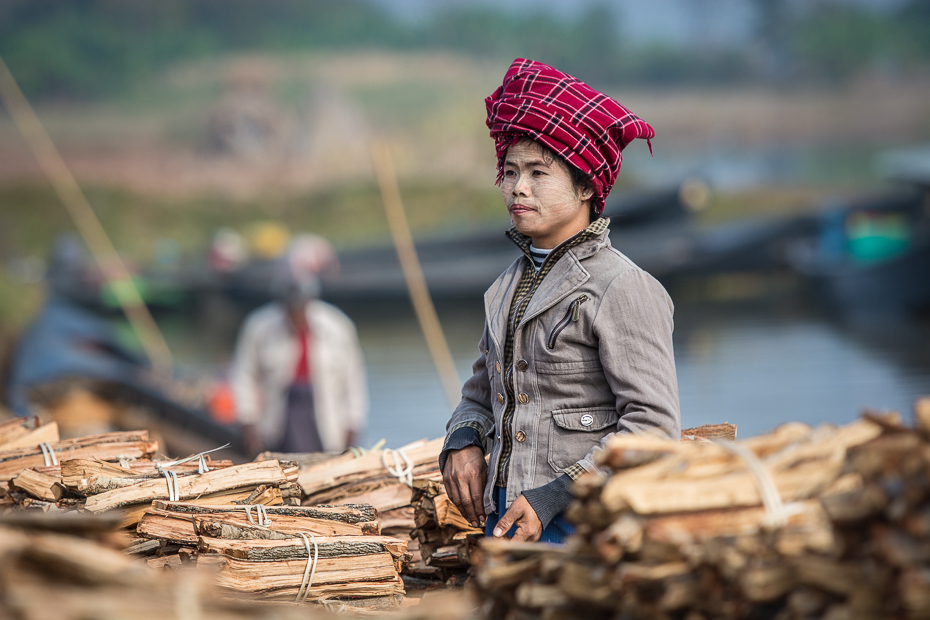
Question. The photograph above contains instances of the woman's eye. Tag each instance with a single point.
(539, 173)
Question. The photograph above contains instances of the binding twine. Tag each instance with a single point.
(309, 571)
(404, 474)
(776, 512)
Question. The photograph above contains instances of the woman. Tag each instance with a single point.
(577, 342)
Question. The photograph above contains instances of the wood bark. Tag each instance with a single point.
(328, 547)
(239, 476)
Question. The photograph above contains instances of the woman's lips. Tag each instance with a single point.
(519, 209)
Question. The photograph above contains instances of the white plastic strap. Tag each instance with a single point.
(405, 475)
(48, 454)
(260, 513)
(336, 607)
(777, 515)
(173, 489)
(310, 571)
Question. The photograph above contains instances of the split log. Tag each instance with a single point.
(249, 474)
(39, 485)
(185, 522)
(13, 428)
(327, 546)
(710, 431)
(130, 516)
(47, 433)
(349, 514)
(107, 447)
(329, 474)
(79, 473)
(335, 577)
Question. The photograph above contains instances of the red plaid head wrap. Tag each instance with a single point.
(586, 128)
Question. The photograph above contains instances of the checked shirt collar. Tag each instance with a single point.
(526, 287)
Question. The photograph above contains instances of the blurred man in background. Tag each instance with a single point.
(298, 374)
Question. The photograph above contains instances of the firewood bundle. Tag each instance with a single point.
(319, 553)
(115, 473)
(73, 566)
(444, 541)
(381, 478)
(797, 523)
(32, 457)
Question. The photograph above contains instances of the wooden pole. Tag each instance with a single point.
(413, 274)
(85, 220)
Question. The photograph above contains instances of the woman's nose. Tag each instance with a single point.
(520, 186)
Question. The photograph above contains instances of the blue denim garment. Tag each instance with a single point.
(558, 530)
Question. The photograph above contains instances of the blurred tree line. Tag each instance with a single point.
(90, 48)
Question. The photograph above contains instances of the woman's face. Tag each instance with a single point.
(540, 197)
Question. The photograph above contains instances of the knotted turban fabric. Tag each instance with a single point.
(586, 128)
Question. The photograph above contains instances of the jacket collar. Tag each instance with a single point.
(565, 276)
(583, 243)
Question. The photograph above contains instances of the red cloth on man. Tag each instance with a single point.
(586, 128)
(302, 369)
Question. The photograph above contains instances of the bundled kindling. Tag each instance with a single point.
(70, 566)
(444, 540)
(800, 522)
(331, 553)
(105, 447)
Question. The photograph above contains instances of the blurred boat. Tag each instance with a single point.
(871, 255)
(69, 348)
(654, 228)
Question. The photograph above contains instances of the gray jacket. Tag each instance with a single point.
(592, 356)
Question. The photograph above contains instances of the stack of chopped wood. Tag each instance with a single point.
(797, 523)
(73, 566)
(446, 541)
(260, 550)
(113, 472)
(368, 479)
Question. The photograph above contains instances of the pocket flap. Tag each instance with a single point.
(586, 419)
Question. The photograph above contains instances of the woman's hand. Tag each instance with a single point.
(464, 477)
(521, 514)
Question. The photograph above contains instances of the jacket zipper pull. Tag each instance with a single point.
(576, 308)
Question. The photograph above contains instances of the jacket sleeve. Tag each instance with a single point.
(473, 417)
(245, 373)
(633, 325)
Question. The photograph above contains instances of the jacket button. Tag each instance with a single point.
(497, 365)
(520, 436)
(522, 365)
(500, 398)
(523, 398)
(587, 419)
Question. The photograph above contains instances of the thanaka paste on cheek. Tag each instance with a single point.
(540, 196)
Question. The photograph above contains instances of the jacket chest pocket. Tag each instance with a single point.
(571, 316)
(574, 432)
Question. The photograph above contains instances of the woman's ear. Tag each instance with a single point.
(587, 193)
